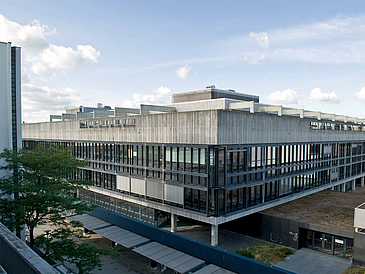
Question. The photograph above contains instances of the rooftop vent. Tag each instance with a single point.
(212, 86)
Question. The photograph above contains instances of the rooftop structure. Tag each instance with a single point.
(212, 160)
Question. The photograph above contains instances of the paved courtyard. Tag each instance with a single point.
(306, 261)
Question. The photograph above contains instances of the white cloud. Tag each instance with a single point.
(360, 94)
(261, 38)
(254, 60)
(318, 95)
(339, 40)
(39, 102)
(31, 37)
(183, 71)
(59, 57)
(158, 96)
(287, 96)
(42, 55)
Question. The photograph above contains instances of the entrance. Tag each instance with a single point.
(326, 243)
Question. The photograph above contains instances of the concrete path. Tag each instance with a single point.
(306, 261)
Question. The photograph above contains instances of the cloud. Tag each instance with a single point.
(360, 94)
(183, 71)
(59, 57)
(287, 96)
(318, 95)
(157, 96)
(42, 55)
(338, 40)
(254, 60)
(31, 37)
(44, 98)
(39, 102)
(261, 38)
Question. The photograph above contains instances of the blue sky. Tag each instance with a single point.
(301, 54)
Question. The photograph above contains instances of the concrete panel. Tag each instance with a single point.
(123, 183)
(359, 218)
(154, 189)
(174, 194)
(138, 186)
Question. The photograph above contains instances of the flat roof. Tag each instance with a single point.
(328, 208)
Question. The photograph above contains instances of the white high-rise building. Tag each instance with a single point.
(10, 100)
(10, 97)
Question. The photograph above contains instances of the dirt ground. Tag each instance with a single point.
(329, 208)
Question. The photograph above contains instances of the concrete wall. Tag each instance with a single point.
(239, 127)
(198, 127)
(359, 249)
(17, 257)
(213, 127)
(283, 231)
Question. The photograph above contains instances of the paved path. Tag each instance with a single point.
(306, 261)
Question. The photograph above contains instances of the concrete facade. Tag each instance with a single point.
(213, 160)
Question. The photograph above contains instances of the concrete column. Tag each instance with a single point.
(333, 188)
(323, 236)
(214, 235)
(362, 181)
(173, 223)
(344, 248)
(353, 185)
(263, 192)
(333, 245)
(343, 186)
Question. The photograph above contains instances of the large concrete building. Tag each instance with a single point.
(212, 155)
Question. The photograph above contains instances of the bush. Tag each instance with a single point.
(285, 251)
(245, 252)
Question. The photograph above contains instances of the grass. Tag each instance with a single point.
(354, 270)
(266, 253)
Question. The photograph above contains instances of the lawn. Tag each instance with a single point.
(354, 270)
(266, 253)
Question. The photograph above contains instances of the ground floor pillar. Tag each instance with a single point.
(214, 235)
(353, 185)
(343, 187)
(173, 223)
(362, 181)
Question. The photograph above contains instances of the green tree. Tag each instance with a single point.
(44, 192)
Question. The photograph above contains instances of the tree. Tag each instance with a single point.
(43, 180)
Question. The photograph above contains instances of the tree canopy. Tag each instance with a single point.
(43, 190)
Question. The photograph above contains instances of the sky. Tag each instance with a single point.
(299, 54)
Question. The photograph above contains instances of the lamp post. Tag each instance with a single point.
(47, 232)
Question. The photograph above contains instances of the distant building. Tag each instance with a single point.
(212, 155)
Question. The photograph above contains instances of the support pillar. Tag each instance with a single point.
(332, 188)
(333, 245)
(362, 181)
(353, 185)
(344, 248)
(343, 186)
(173, 223)
(214, 235)
(323, 236)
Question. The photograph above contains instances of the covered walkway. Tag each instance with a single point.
(166, 256)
